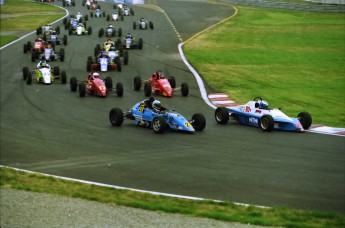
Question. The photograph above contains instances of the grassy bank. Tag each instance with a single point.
(294, 60)
(224, 211)
(24, 15)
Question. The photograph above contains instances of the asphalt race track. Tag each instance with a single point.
(52, 130)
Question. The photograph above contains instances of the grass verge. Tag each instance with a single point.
(24, 15)
(224, 211)
(292, 59)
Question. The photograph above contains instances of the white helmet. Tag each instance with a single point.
(95, 75)
(156, 105)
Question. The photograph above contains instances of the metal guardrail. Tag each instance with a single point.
(329, 8)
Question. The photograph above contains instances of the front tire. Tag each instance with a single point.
(305, 120)
(119, 89)
(147, 89)
(137, 83)
(116, 117)
(184, 89)
(198, 122)
(73, 84)
(267, 123)
(221, 115)
(158, 124)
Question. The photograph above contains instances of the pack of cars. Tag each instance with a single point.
(148, 112)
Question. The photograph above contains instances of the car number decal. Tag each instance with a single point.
(141, 108)
(187, 124)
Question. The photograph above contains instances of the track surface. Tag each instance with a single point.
(52, 130)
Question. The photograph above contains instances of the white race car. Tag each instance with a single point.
(257, 113)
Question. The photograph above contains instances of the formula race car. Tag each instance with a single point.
(161, 85)
(110, 50)
(91, 4)
(97, 13)
(80, 30)
(44, 74)
(54, 39)
(130, 42)
(74, 21)
(47, 30)
(149, 113)
(96, 86)
(48, 54)
(103, 63)
(37, 46)
(110, 32)
(127, 11)
(257, 113)
(143, 24)
(115, 17)
(68, 3)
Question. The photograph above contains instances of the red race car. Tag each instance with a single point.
(36, 46)
(96, 86)
(159, 84)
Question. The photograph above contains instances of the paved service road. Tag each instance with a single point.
(52, 130)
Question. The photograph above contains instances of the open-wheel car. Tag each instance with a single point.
(149, 113)
(257, 113)
(94, 85)
(44, 74)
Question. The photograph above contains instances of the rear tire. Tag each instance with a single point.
(82, 90)
(137, 83)
(73, 84)
(266, 123)
(108, 83)
(172, 82)
(119, 89)
(221, 115)
(63, 77)
(184, 89)
(147, 89)
(25, 72)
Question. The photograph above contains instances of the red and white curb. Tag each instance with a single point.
(223, 100)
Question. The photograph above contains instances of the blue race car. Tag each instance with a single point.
(149, 113)
(257, 113)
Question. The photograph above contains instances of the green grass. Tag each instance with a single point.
(6, 39)
(224, 211)
(24, 15)
(294, 60)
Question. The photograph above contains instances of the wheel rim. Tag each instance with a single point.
(156, 125)
(264, 123)
(219, 117)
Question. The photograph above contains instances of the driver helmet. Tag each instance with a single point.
(159, 73)
(39, 39)
(81, 24)
(112, 48)
(95, 75)
(79, 13)
(110, 26)
(263, 104)
(53, 32)
(129, 34)
(156, 105)
(44, 64)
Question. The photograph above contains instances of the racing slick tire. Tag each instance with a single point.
(140, 43)
(119, 89)
(221, 115)
(86, 17)
(100, 32)
(116, 117)
(305, 120)
(91, 14)
(151, 24)
(33, 56)
(108, 83)
(198, 121)
(132, 11)
(118, 64)
(158, 124)
(137, 83)
(63, 77)
(108, 17)
(73, 84)
(62, 54)
(125, 57)
(119, 32)
(29, 78)
(64, 40)
(25, 72)
(147, 89)
(266, 123)
(172, 82)
(134, 25)
(88, 65)
(25, 48)
(89, 30)
(184, 89)
(82, 90)
(56, 71)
